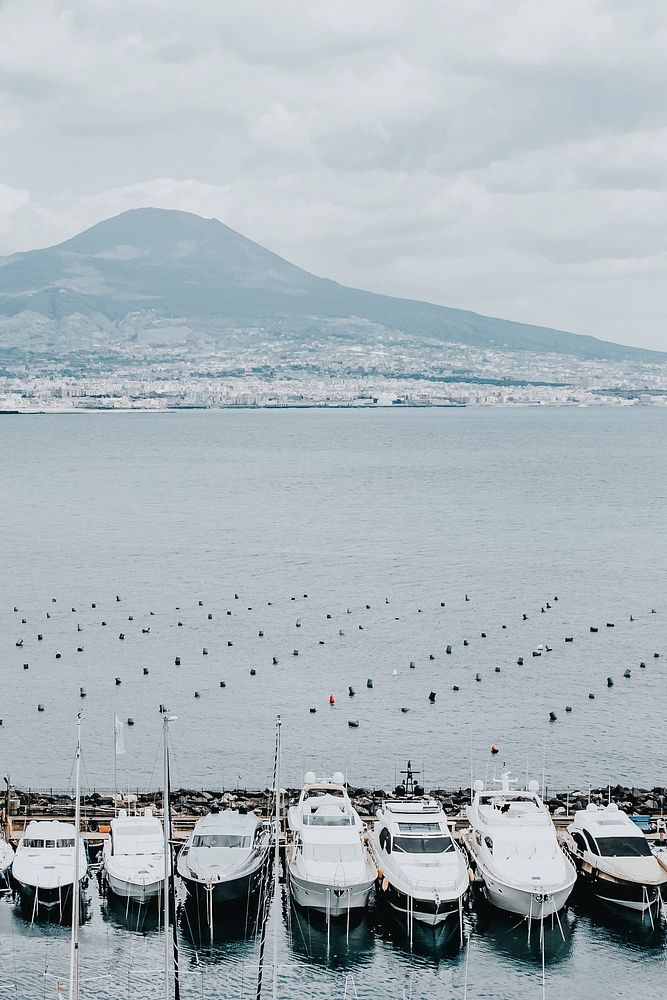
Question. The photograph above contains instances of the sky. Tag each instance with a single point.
(504, 156)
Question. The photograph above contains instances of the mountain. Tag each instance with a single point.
(151, 275)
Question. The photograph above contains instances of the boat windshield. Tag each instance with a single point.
(624, 847)
(423, 845)
(48, 843)
(220, 840)
(327, 819)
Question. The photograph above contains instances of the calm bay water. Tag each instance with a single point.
(413, 508)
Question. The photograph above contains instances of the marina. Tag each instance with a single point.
(374, 646)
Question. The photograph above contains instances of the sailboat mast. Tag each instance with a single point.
(74, 950)
(166, 719)
(276, 863)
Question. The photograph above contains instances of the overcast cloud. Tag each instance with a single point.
(504, 156)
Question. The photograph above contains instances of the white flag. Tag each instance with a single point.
(118, 731)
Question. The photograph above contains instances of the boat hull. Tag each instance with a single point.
(54, 902)
(134, 891)
(332, 901)
(626, 894)
(431, 912)
(222, 893)
(525, 903)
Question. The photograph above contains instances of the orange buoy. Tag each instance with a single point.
(332, 700)
(495, 748)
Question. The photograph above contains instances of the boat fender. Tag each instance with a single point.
(385, 883)
(471, 875)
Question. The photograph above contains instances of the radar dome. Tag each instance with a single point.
(533, 786)
(478, 786)
(309, 777)
(338, 778)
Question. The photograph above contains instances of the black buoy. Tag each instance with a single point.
(478, 677)
(196, 694)
(58, 655)
(525, 617)
(656, 656)
(610, 682)
(252, 671)
(467, 598)
(412, 664)
(642, 664)
(180, 624)
(610, 624)
(591, 695)
(455, 688)
(369, 682)
(204, 651)
(536, 652)
(228, 612)
(19, 643)
(320, 642)
(448, 649)
(520, 661)
(503, 626)
(229, 642)
(40, 708)
(177, 661)
(200, 603)
(117, 597)
(351, 691)
(569, 638)
(295, 652)
(553, 717)
(25, 666)
(627, 673)
(121, 636)
(130, 618)
(40, 637)
(431, 656)
(483, 635)
(79, 649)
(465, 642)
(223, 684)
(593, 628)
(130, 721)
(431, 697)
(568, 708)
(353, 723)
(312, 711)
(497, 670)
(145, 671)
(404, 709)
(210, 616)
(275, 660)
(82, 692)
(260, 634)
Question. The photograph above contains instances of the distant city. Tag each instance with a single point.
(177, 378)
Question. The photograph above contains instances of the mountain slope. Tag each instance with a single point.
(202, 276)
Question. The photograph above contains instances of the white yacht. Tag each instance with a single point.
(133, 857)
(423, 873)
(329, 866)
(44, 865)
(513, 849)
(6, 858)
(223, 858)
(614, 858)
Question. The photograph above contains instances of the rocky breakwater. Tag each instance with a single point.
(97, 806)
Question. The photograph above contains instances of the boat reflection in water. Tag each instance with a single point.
(520, 940)
(330, 943)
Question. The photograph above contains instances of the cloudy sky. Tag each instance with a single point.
(506, 156)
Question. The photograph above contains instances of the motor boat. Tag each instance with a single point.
(614, 858)
(133, 857)
(422, 873)
(6, 858)
(329, 866)
(223, 857)
(44, 865)
(514, 851)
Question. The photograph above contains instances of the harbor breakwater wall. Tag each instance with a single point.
(197, 802)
